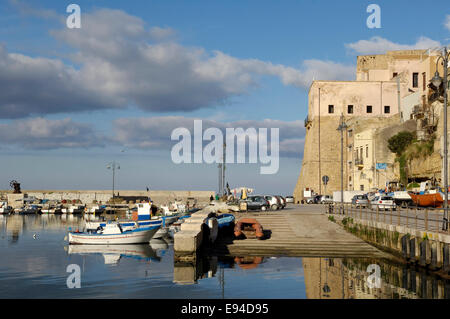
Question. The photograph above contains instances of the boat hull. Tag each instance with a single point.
(141, 235)
(427, 200)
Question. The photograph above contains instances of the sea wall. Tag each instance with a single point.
(426, 249)
(159, 197)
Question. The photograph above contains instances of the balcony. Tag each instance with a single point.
(359, 163)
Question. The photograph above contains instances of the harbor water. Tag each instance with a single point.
(35, 260)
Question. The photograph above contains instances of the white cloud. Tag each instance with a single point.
(447, 22)
(120, 62)
(379, 45)
(40, 133)
(155, 132)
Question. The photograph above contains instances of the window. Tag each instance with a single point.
(349, 178)
(387, 109)
(350, 133)
(361, 153)
(369, 109)
(330, 109)
(367, 151)
(394, 74)
(424, 81)
(415, 80)
(361, 187)
(350, 109)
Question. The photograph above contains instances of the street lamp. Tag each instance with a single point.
(113, 166)
(342, 127)
(437, 81)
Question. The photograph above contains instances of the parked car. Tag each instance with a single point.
(317, 199)
(257, 203)
(325, 199)
(273, 201)
(282, 201)
(360, 201)
(289, 199)
(313, 200)
(383, 202)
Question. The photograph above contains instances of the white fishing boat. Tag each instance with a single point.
(95, 209)
(51, 209)
(5, 209)
(73, 209)
(113, 234)
(28, 209)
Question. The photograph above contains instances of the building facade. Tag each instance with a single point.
(388, 89)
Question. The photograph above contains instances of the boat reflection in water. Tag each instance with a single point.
(160, 245)
(113, 253)
(188, 273)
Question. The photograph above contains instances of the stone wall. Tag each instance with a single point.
(314, 168)
(160, 197)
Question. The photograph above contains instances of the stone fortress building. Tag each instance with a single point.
(388, 92)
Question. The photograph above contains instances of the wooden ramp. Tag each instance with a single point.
(298, 234)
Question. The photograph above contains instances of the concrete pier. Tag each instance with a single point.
(189, 240)
(294, 231)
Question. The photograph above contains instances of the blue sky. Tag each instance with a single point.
(223, 61)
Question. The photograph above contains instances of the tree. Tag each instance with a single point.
(399, 142)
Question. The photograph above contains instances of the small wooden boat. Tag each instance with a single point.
(248, 228)
(427, 200)
(114, 234)
(225, 220)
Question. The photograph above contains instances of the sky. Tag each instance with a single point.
(74, 100)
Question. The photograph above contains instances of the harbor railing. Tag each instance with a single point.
(420, 218)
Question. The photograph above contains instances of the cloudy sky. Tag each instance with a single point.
(72, 100)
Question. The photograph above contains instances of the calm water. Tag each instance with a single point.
(34, 259)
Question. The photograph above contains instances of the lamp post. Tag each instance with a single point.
(342, 127)
(437, 80)
(113, 166)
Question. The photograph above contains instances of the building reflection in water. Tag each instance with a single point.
(347, 278)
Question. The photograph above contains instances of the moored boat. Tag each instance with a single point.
(5, 209)
(28, 209)
(225, 220)
(113, 234)
(248, 228)
(427, 200)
